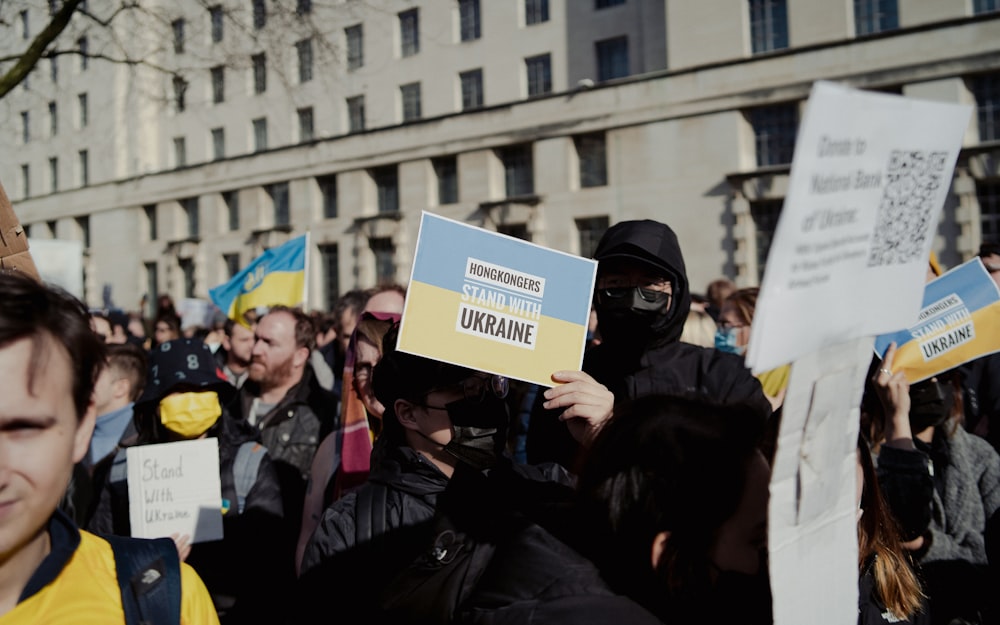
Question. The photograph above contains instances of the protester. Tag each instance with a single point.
(642, 300)
(119, 385)
(166, 327)
(243, 570)
(345, 313)
(699, 327)
(716, 293)
(733, 336)
(50, 571)
(981, 377)
(438, 417)
(941, 483)
(235, 353)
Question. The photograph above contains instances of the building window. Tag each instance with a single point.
(603, 4)
(330, 267)
(409, 32)
(53, 120)
(612, 58)
(186, 265)
(468, 19)
(178, 27)
(536, 11)
(218, 84)
(590, 231)
(356, 113)
(306, 130)
(539, 74)
(768, 25)
(25, 29)
(774, 129)
(875, 16)
(84, 167)
(83, 227)
(385, 260)
(988, 194)
(303, 7)
(150, 211)
(53, 174)
(518, 169)
(387, 183)
(83, 49)
(518, 231)
(190, 207)
(591, 151)
(259, 73)
(25, 127)
(180, 93)
(986, 90)
(279, 200)
(232, 201)
(984, 6)
(180, 152)
(152, 288)
(259, 14)
(472, 89)
(305, 52)
(328, 189)
(218, 143)
(232, 262)
(764, 214)
(446, 169)
(25, 181)
(260, 134)
(355, 46)
(215, 14)
(84, 112)
(54, 69)
(410, 97)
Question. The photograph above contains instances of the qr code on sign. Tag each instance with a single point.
(912, 181)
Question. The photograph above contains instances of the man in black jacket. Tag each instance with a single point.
(642, 299)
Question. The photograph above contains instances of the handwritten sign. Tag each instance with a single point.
(865, 192)
(175, 487)
(494, 303)
(959, 322)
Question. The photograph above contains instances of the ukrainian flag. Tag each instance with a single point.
(275, 277)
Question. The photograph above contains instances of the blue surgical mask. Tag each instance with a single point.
(726, 341)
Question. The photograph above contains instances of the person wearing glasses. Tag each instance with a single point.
(642, 299)
(440, 421)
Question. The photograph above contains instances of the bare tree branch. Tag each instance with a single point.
(16, 74)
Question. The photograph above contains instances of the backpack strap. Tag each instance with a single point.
(245, 468)
(149, 576)
(369, 517)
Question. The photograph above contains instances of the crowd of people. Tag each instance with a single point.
(360, 480)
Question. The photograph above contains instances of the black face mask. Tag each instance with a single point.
(631, 319)
(478, 431)
(931, 402)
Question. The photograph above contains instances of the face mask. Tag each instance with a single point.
(478, 431)
(631, 319)
(190, 414)
(930, 404)
(725, 341)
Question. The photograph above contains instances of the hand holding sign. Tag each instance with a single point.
(893, 391)
(587, 402)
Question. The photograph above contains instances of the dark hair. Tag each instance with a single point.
(986, 249)
(30, 309)
(305, 329)
(664, 464)
(130, 360)
(745, 303)
(353, 301)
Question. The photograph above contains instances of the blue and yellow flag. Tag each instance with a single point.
(959, 322)
(275, 277)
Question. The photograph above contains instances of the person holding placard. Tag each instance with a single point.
(51, 571)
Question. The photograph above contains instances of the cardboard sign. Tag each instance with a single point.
(959, 322)
(494, 303)
(175, 488)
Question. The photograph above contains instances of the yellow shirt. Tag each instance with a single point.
(87, 593)
(774, 380)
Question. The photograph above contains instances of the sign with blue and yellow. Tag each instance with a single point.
(491, 302)
(959, 322)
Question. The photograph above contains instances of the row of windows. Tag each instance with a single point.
(82, 172)
(83, 118)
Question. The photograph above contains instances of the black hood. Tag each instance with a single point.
(655, 244)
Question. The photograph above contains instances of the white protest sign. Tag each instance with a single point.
(851, 248)
(60, 262)
(175, 488)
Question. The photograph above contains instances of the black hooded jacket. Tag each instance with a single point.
(662, 364)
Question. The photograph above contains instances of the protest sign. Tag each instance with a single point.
(959, 322)
(60, 262)
(494, 303)
(175, 488)
(865, 192)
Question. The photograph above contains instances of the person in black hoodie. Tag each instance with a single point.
(642, 299)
